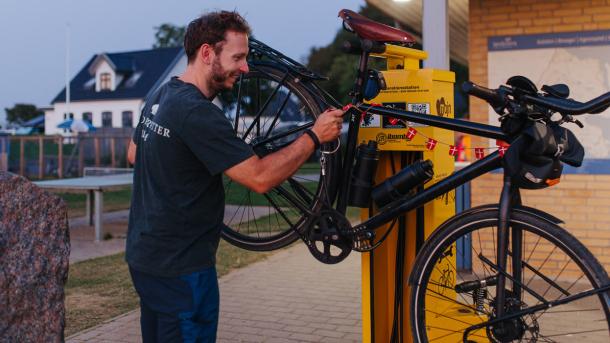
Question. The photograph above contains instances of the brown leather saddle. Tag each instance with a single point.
(368, 29)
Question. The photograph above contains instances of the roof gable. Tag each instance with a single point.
(141, 71)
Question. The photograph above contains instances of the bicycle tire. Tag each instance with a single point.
(283, 228)
(431, 304)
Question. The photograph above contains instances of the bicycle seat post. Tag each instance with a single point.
(354, 121)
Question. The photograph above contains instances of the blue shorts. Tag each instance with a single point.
(178, 309)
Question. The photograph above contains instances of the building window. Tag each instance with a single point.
(106, 119)
(88, 117)
(68, 116)
(127, 119)
(105, 84)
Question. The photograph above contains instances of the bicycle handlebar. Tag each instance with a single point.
(569, 106)
(492, 96)
(498, 98)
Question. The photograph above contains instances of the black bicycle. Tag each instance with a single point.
(529, 279)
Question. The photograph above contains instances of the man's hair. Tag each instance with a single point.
(210, 29)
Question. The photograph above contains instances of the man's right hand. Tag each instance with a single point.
(328, 125)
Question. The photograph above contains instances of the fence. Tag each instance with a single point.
(4, 149)
(41, 157)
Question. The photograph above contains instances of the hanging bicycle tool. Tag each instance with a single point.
(406, 158)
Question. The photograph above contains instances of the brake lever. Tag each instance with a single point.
(570, 119)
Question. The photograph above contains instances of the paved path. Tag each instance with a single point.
(289, 297)
(82, 238)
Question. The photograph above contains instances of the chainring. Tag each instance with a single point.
(325, 237)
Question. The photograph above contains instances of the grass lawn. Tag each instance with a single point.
(236, 194)
(101, 289)
(113, 201)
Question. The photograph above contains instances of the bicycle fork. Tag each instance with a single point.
(509, 198)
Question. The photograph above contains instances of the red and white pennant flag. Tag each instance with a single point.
(411, 133)
(453, 150)
(479, 153)
(431, 144)
(502, 150)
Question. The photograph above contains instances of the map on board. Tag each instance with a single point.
(579, 59)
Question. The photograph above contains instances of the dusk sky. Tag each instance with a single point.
(33, 34)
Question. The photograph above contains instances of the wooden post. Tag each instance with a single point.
(4, 154)
(112, 151)
(127, 164)
(21, 156)
(96, 147)
(40, 157)
(80, 145)
(60, 157)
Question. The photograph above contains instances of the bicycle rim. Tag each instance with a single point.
(271, 103)
(555, 265)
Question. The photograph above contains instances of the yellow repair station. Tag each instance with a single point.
(385, 270)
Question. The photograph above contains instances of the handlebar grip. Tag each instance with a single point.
(489, 95)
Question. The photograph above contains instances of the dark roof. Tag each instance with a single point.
(124, 64)
(148, 67)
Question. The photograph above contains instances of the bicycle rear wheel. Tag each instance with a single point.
(554, 266)
(270, 108)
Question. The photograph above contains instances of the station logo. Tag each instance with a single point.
(443, 108)
(383, 138)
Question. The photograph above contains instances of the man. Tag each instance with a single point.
(184, 144)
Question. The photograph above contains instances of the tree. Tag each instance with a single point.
(21, 113)
(340, 68)
(169, 36)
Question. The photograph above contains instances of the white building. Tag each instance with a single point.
(109, 91)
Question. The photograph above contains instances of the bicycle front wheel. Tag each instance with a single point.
(553, 265)
(269, 109)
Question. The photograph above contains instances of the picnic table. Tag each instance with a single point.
(94, 186)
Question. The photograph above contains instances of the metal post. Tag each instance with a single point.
(99, 206)
(89, 207)
(436, 33)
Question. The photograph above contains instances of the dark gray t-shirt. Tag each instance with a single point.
(184, 143)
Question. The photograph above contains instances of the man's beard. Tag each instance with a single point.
(220, 76)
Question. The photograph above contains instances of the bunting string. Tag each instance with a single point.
(431, 143)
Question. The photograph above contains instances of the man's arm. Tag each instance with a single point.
(131, 152)
(262, 174)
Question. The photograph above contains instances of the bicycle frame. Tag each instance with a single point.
(510, 195)
(478, 168)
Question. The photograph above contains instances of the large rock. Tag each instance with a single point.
(34, 252)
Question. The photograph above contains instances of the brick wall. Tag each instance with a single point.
(582, 201)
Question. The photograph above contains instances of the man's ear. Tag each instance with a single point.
(206, 53)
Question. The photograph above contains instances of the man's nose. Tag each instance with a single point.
(244, 68)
